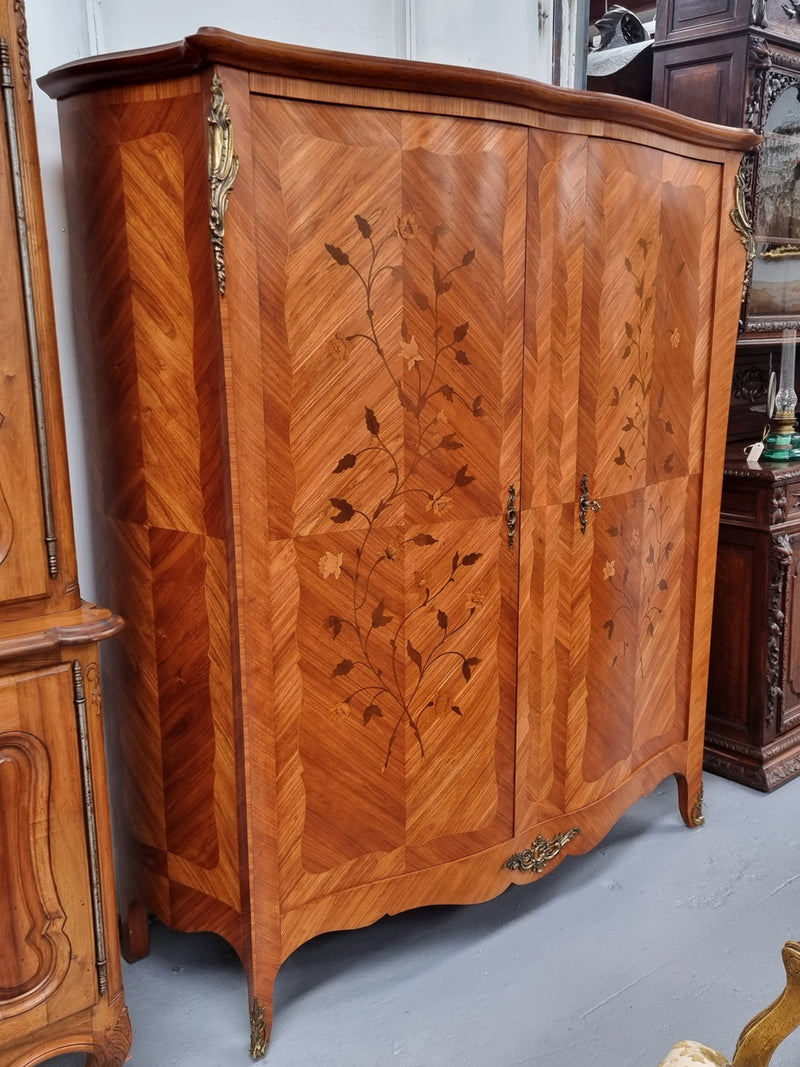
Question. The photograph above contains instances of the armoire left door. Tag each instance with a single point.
(395, 245)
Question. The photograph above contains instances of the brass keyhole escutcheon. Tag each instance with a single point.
(586, 504)
(511, 515)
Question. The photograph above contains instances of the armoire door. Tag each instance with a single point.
(391, 251)
(622, 352)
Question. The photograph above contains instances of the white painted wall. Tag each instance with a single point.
(507, 35)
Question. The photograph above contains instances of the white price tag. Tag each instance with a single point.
(754, 452)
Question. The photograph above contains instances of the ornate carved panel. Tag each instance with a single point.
(34, 950)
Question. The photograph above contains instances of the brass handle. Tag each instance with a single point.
(541, 852)
(511, 515)
(586, 505)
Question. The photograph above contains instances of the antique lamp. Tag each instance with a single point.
(783, 443)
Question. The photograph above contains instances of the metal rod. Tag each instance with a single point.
(7, 83)
(91, 826)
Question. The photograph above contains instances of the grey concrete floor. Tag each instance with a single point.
(658, 934)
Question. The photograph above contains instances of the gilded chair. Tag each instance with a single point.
(761, 1036)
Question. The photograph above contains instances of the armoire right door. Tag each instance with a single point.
(620, 321)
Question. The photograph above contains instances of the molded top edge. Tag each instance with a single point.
(211, 45)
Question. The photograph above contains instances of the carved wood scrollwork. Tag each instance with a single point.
(781, 557)
(779, 504)
(750, 384)
(32, 919)
(23, 54)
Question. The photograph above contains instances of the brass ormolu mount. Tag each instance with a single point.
(541, 852)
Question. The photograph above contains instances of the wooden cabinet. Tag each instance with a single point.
(60, 981)
(409, 470)
(753, 729)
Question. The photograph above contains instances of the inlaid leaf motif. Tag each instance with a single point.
(471, 559)
(423, 539)
(373, 425)
(345, 463)
(364, 226)
(379, 616)
(440, 285)
(449, 442)
(467, 665)
(341, 257)
(371, 712)
(414, 362)
(344, 509)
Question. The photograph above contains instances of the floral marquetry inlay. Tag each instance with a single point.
(424, 371)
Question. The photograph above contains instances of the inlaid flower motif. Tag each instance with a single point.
(411, 352)
(475, 600)
(407, 226)
(340, 710)
(439, 503)
(330, 565)
(610, 569)
(339, 347)
(675, 337)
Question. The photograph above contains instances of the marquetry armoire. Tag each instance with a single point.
(60, 976)
(409, 387)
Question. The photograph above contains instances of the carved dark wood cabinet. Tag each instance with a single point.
(60, 978)
(753, 726)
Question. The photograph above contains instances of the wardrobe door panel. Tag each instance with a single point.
(620, 318)
(641, 441)
(393, 379)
